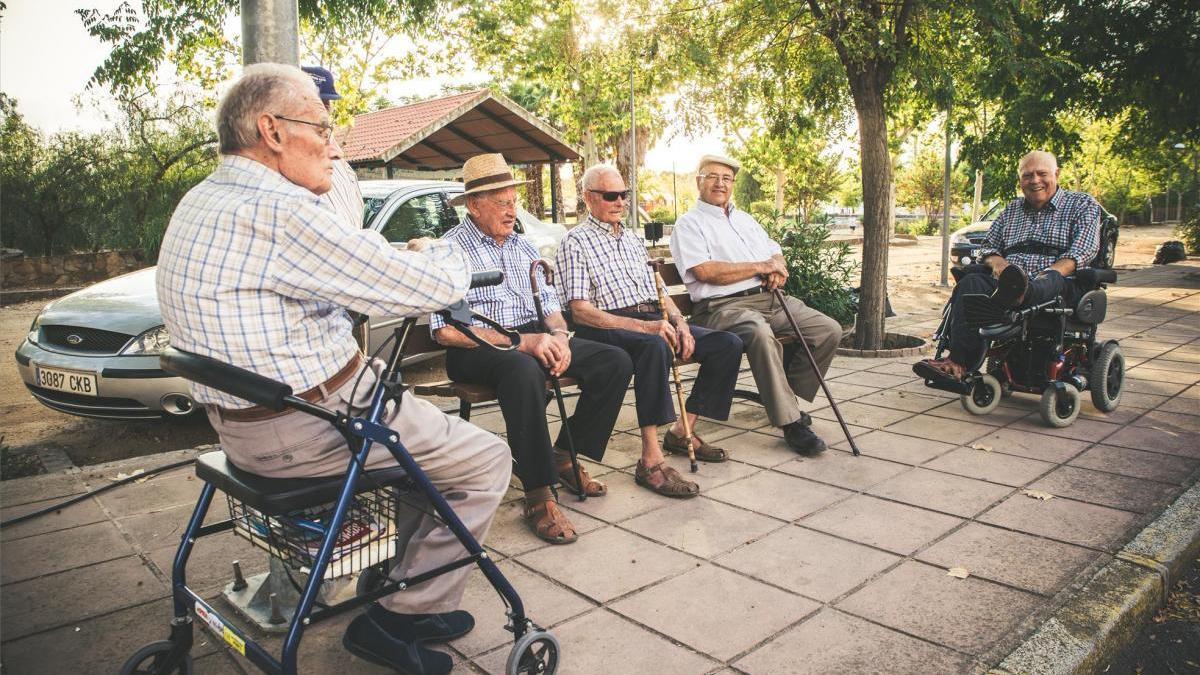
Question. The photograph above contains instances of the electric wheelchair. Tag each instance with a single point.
(1050, 349)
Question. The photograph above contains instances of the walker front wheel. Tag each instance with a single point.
(534, 652)
(152, 660)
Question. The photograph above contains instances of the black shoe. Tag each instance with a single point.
(367, 640)
(1013, 283)
(431, 628)
(802, 439)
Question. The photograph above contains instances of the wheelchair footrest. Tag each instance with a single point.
(952, 386)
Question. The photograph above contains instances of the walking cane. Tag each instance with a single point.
(687, 425)
(816, 371)
(562, 408)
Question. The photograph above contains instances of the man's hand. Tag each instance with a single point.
(687, 343)
(997, 263)
(774, 281)
(664, 330)
(552, 353)
(419, 244)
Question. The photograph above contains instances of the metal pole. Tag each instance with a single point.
(633, 168)
(270, 32)
(946, 199)
(674, 192)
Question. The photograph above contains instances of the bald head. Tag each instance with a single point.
(1038, 174)
(1039, 156)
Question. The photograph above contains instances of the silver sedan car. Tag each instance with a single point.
(95, 352)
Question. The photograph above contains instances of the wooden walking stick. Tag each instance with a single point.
(683, 416)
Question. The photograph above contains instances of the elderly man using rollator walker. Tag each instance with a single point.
(546, 348)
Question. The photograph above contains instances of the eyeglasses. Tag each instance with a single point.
(503, 203)
(717, 178)
(324, 129)
(612, 195)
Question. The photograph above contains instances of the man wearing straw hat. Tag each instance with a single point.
(730, 266)
(519, 376)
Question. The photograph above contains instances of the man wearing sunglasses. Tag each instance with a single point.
(730, 266)
(605, 280)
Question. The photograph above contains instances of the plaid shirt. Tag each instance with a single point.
(509, 303)
(607, 270)
(1069, 221)
(257, 272)
(344, 197)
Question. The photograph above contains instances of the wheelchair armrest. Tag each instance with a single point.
(1091, 277)
(230, 379)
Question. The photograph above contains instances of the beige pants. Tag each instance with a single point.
(758, 319)
(458, 457)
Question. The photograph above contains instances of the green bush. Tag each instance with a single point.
(764, 211)
(820, 274)
(663, 215)
(1189, 231)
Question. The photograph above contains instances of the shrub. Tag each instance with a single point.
(820, 274)
(663, 215)
(764, 211)
(1189, 231)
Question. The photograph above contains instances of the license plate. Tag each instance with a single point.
(70, 381)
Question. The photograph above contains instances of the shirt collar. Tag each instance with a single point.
(244, 170)
(713, 210)
(1054, 203)
(604, 227)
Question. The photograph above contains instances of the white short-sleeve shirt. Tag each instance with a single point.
(726, 234)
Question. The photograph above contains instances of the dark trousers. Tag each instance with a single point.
(520, 385)
(719, 354)
(966, 345)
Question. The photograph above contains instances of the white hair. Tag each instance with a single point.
(1035, 155)
(592, 175)
(263, 88)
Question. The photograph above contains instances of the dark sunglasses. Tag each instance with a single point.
(613, 195)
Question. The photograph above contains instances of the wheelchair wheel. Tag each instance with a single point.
(534, 652)
(1059, 411)
(1107, 377)
(984, 396)
(149, 660)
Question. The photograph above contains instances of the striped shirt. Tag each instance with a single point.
(344, 197)
(1069, 221)
(607, 269)
(509, 303)
(255, 271)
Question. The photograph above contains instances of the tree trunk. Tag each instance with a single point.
(877, 205)
(534, 201)
(778, 190)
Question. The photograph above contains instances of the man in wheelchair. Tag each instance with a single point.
(255, 272)
(1026, 271)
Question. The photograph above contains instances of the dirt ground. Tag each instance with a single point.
(26, 426)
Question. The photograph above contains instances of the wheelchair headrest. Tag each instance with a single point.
(1091, 277)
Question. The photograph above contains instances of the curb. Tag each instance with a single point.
(1107, 613)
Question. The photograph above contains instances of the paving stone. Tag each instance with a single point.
(946, 430)
(623, 451)
(160, 492)
(1031, 563)
(1122, 415)
(216, 664)
(1033, 445)
(834, 642)
(40, 488)
(1191, 392)
(810, 563)
(1179, 404)
(863, 415)
(608, 563)
(702, 526)
(545, 603)
(1090, 429)
(943, 492)
(1173, 365)
(995, 467)
(1171, 443)
(778, 495)
(1001, 415)
(99, 645)
(896, 447)
(873, 379)
(1158, 388)
(969, 615)
(58, 599)
(902, 400)
(902, 368)
(83, 513)
(624, 500)
(1062, 519)
(843, 469)
(763, 448)
(1148, 372)
(745, 416)
(1170, 422)
(715, 474)
(918, 387)
(1097, 487)
(1139, 464)
(62, 550)
(845, 391)
(681, 608)
(511, 536)
(708, 430)
(210, 566)
(883, 524)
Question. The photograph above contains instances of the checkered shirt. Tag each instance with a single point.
(509, 303)
(607, 270)
(1069, 221)
(344, 197)
(255, 271)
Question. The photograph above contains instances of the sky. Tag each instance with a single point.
(46, 58)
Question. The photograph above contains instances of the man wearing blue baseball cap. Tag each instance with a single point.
(345, 197)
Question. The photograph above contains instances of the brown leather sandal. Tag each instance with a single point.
(673, 484)
(562, 463)
(549, 523)
(677, 445)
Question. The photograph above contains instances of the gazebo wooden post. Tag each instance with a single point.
(556, 203)
(535, 201)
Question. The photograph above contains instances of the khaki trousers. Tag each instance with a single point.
(780, 375)
(467, 464)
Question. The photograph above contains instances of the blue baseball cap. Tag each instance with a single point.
(324, 80)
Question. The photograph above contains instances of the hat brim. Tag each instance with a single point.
(461, 198)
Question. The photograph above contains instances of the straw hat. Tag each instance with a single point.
(482, 173)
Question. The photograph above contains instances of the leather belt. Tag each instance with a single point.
(741, 294)
(640, 308)
(258, 413)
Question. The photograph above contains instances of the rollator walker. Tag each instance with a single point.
(299, 521)
(1050, 350)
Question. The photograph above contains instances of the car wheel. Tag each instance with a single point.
(1110, 251)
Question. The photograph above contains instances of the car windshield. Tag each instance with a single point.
(371, 206)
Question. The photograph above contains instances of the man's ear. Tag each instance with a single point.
(268, 130)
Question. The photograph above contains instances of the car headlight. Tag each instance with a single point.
(153, 341)
(34, 329)
(958, 238)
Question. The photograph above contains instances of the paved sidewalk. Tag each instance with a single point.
(783, 564)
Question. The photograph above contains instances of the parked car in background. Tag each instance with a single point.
(95, 352)
(966, 242)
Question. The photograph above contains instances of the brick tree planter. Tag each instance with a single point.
(894, 345)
